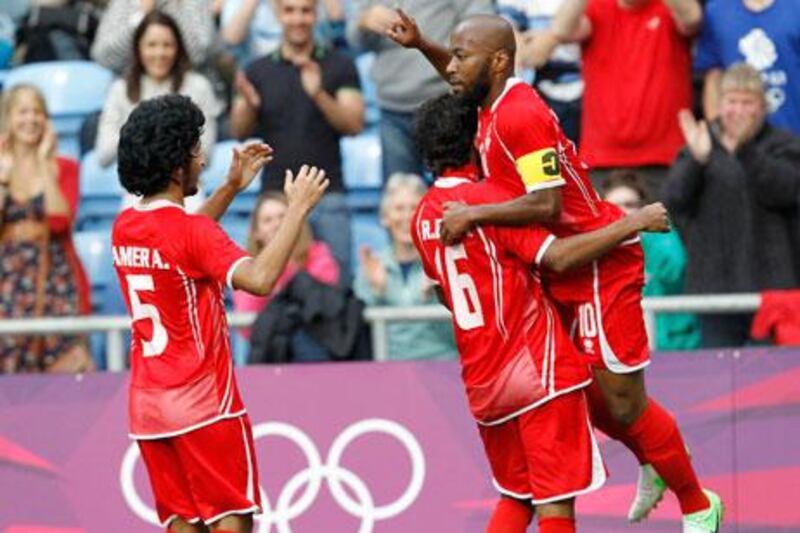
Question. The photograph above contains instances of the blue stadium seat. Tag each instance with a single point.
(368, 231)
(217, 170)
(364, 66)
(237, 228)
(101, 194)
(94, 250)
(361, 161)
(72, 89)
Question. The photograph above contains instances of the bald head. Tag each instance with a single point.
(490, 32)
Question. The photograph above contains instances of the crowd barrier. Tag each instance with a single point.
(361, 447)
(378, 317)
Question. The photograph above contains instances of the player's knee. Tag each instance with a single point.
(234, 524)
(559, 509)
(625, 408)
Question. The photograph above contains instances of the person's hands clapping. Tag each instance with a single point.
(310, 77)
(48, 144)
(696, 135)
(374, 270)
(247, 91)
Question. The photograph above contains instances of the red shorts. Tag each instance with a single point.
(547, 454)
(602, 303)
(206, 474)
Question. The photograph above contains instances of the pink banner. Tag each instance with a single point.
(391, 448)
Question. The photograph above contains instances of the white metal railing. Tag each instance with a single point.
(378, 317)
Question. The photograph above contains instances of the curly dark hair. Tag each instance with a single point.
(444, 130)
(133, 76)
(159, 137)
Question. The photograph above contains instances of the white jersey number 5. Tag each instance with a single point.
(466, 304)
(155, 346)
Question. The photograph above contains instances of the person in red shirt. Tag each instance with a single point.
(637, 67)
(523, 377)
(184, 405)
(523, 150)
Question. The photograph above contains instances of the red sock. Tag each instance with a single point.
(657, 435)
(602, 420)
(556, 525)
(510, 516)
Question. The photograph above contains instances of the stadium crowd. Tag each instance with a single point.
(696, 104)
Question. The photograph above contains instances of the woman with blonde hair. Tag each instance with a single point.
(41, 273)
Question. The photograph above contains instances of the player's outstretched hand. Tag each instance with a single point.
(456, 223)
(247, 162)
(405, 31)
(653, 218)
(304, 191)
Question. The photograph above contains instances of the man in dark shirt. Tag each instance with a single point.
(301, 99)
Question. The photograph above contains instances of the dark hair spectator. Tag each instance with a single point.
(734, 194)
(301, 99)
(636, 66)
(159, 136)
(42, 275)
(403, 78)
(763, 34)
(112, 45)
(664, 263)
(160, 65)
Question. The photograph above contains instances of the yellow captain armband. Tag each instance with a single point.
(540, 169)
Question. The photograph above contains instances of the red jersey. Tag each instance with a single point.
(172, 267)
(514, 352)
(523, 149)
(637, 72)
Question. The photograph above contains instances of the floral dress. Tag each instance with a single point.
(19, 264)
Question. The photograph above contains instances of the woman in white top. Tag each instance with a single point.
(160, 66)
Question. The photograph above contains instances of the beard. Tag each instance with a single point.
(475, 94)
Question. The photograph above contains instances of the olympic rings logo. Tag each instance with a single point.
(287, 506)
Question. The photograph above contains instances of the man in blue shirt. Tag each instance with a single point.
(764, 34)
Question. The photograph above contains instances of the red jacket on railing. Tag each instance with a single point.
(778, 318)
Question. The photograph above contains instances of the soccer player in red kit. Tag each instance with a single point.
(184, 405)
(522, 374)
(523, 150)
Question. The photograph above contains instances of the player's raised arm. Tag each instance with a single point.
(245, 166)
(570, 23)
(258, 276)
(406, 33)
(571, 252)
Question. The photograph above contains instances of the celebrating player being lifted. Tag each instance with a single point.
(523, 150)
(523, 376)
(184, 405)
